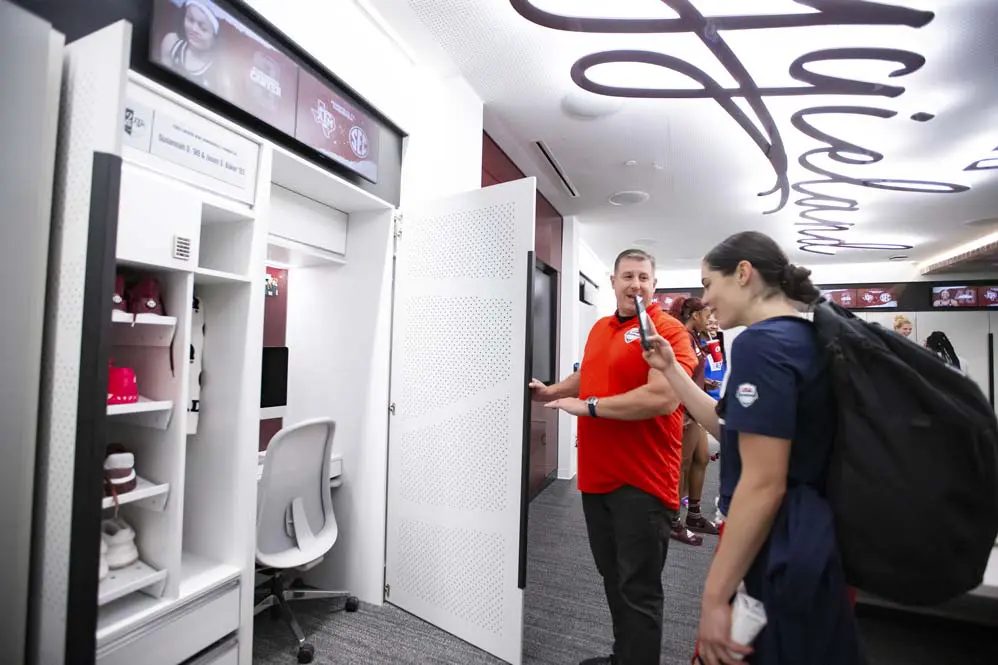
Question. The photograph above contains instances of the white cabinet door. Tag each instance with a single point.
(155, 213)
(456, 540)
(968, 333)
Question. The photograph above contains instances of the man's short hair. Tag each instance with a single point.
(634, 254)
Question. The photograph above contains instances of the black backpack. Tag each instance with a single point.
(913, 482)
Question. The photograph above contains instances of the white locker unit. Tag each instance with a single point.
(426, 299)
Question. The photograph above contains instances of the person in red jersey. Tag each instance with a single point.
(630, 454)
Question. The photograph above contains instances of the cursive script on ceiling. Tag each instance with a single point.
(819, 234)
(989, 163)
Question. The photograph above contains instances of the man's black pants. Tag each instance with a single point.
(629, 537)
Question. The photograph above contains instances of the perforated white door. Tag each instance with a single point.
(455, 482)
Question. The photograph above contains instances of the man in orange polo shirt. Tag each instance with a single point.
(630, 455)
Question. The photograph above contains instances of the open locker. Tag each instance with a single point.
(457, 481)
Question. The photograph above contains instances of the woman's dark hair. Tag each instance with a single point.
(684, 308)
(939, 344)
(768, 260)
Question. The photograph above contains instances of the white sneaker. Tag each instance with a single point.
(121, 549)
(104, 570)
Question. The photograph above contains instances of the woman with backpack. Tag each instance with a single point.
(776, 423)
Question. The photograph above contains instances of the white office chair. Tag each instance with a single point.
(295, 525)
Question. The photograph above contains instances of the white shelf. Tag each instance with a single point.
(198, 574)
(220, 210)
(123, 581)
(271, 412)
(285, 252)
(144, 405)
(303, 177)
(209, 276)
(142, 329)
(144, 413)
(146, 495)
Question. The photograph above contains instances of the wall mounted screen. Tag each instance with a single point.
(954, 296)
(216, 49)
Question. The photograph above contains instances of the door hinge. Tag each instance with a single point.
(397, 218)
(388, 591)
(391, 408)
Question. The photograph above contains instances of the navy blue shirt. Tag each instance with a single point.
(779, 387)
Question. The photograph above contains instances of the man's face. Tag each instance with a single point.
(634, 277)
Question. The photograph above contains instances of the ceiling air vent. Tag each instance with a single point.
(181, 248)
(556, 167)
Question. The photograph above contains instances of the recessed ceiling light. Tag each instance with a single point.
(588, 106)
(645, 242)
(628, 198)
(631, 162)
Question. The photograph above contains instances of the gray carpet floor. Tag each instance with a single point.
(567, 619)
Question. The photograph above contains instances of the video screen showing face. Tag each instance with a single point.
(204, 43)
(954, 296)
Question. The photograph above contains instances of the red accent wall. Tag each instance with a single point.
(275, 333)
(498, 168)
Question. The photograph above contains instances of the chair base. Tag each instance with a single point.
(277, 598)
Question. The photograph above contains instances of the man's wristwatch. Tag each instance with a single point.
(591, 403)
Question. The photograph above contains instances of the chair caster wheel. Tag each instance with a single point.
(353, 604)
(306, 653)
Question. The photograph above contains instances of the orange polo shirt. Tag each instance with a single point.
(646, 454)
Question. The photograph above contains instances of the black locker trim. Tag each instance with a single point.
(91, 416)
(525, 448)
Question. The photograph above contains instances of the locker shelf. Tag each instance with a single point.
(144, 413)
(146, 494)
(136, 577)
(142, 329)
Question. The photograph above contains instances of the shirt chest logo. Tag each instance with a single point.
(747, 394)
(632, 335)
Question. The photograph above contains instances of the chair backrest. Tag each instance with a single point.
(295, 524)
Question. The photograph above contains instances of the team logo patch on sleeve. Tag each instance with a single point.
(747, 394)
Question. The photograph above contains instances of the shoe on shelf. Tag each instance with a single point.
(119, 471)
(684, 535)
(122, 387)
(103, 569)
(599, 660)
(700, 524)
(118, 300)
(120, 538)
(145, 297)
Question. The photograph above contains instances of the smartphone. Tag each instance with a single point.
(644, 323)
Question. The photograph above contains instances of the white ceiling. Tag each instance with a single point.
(702, 170)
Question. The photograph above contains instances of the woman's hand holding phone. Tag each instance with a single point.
(660, 356)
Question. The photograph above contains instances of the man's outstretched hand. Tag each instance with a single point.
(572, 405)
